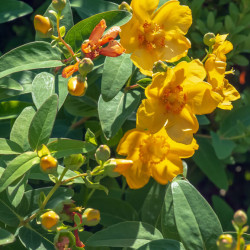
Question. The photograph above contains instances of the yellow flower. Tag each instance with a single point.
(153, 155)
(156, 35)
(173, 100)
(216, 70)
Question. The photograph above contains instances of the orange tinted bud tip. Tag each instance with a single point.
(49, 220)
(43, 25)
(48, 164)
(91, 217)
(77, 86)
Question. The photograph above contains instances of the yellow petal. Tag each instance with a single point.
(221, 47)
(181, 127)
(173, 16)
(201, 99)
(143, 9)
(129, 35)
(130, 141)
(150, 115)
(166, 170)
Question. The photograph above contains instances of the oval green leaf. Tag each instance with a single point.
(8, 147)
(116, 72)
(34, 55)
(126, 234)
(42, 88)
(163, 244)
(6, 237)
(42, 123)
(113, 114)
(82, 30)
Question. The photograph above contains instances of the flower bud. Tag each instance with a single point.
(240, 218)
(225, 242)
(58, 4)
(74, 162)
(48, 164)
(114, 167)
(125, 6)
(209, 39)
(91, 217)
(159, 66)
(77, 85)
(102, 154)
(49, 220)
(43, 26)
(85, 66)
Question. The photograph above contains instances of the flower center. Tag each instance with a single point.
(153, 149)
(151, 35)
(174, 99)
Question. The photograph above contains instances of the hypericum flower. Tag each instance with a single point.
(156, 35)
(49, 220)
(77, 85)
(153, 155)
(94, 46)
(215, 66)
(173, 100)
(43, 26)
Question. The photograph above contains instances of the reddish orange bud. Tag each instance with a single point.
(113, 49)
(49, 220)
(243, 77)
(98, 31)
(77, 86)
(110, 35)
(42, 24)
(70, 70)
(48, 164)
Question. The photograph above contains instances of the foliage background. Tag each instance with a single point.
(220, 169)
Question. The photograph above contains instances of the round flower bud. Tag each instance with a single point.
(225, 242)
(209, 39)
(48, 164)
(43, 26)
(77, 85)
(58, 4)
(240, 218)
(159, 66)
(49, 220)
(125, 6)
(74, 162)
(91, 217)
(85, 66)
(102, 154)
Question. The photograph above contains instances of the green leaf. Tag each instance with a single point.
(20, 129)
(61, 89)
(16, 190)
(9, 83)
(42, 88)
(240, 60)
(65, 147)
(17, 167)
(202, 227)
(42, 123)
(11, 109)
(208, 162)
(222, 148)
(116, 72)
(224, 212)
(90, 137)
(34, 55)
(152, 205)
(6, 237)
(82, 30)
(13, 9)
(90, 8)
(163, 244)
(113, 210)
(210, 20)
(203, 120)
(113, 114)
(8, 147)
(126, 234)
(229, 126)
(229, 24)
(84, 106)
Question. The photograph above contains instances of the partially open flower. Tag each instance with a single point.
(93, 47)
(48, 164)
(49, 220)
(43, 26)
(77, 85)
(91, 217)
